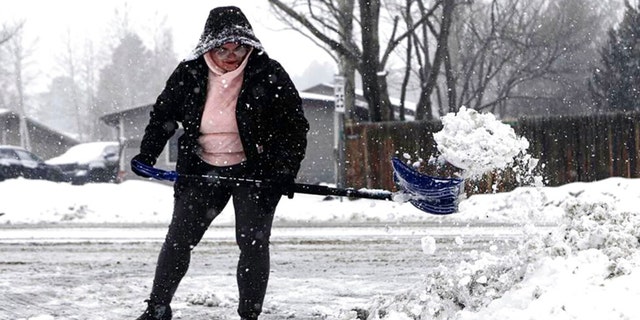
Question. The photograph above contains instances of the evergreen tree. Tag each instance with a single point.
(162, 61)
(124, 82)
(58, 107)
(615, 85)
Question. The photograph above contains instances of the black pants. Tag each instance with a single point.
(197, 203)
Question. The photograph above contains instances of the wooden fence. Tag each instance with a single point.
(570, 149)
(585, 148)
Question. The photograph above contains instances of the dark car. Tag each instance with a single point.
(89, 162)
(17, 162)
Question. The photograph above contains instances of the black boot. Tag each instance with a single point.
(156, 312)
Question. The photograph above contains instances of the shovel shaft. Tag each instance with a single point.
(303, 188)
(343, 192)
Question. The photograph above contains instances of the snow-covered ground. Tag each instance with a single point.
(586, 267)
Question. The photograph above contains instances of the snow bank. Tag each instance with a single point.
(584, 268)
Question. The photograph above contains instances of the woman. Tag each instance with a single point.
(242, 117)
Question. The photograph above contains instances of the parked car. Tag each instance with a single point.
(89, 162)
(18, 162)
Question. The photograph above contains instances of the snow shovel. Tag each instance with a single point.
(424, 197)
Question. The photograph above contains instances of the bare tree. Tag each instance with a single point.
(71, 66)
(408, 61)
(163, 59)
(133, 74)
(517, 52)
(331, 26)
(371, 67)
(73, 91)
(483, 54)
(18, 54)
(6, 80)
(89, 77)
(430, 64)
(350, 33)
(8, 31)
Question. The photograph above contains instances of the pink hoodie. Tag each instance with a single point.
(220, 141)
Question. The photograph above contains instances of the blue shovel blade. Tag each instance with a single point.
(435, 195)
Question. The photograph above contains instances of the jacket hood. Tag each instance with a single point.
(225, 24)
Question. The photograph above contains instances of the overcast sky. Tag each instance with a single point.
(48, 21)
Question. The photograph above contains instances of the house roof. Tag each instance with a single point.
(315, 96)
(6, 114)
(112, 119)
(329, 89)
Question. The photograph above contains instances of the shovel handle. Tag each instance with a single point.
(343, 192)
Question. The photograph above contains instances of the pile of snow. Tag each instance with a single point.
(585, 268)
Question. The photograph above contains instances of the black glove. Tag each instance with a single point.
(144, 159)
(280, 177)
(284, 181)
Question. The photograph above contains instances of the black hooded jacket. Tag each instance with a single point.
(269, 113)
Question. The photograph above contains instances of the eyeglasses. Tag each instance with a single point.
(224, 53)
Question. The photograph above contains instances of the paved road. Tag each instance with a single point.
(89, 272)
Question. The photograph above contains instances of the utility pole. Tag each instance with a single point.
(338, 130)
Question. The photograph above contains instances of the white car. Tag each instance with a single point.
(89, 162)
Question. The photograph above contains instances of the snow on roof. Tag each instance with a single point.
(8, 146)
(315, 96)
(324, 97)
(411, 105)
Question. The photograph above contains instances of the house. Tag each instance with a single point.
(44, 141)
